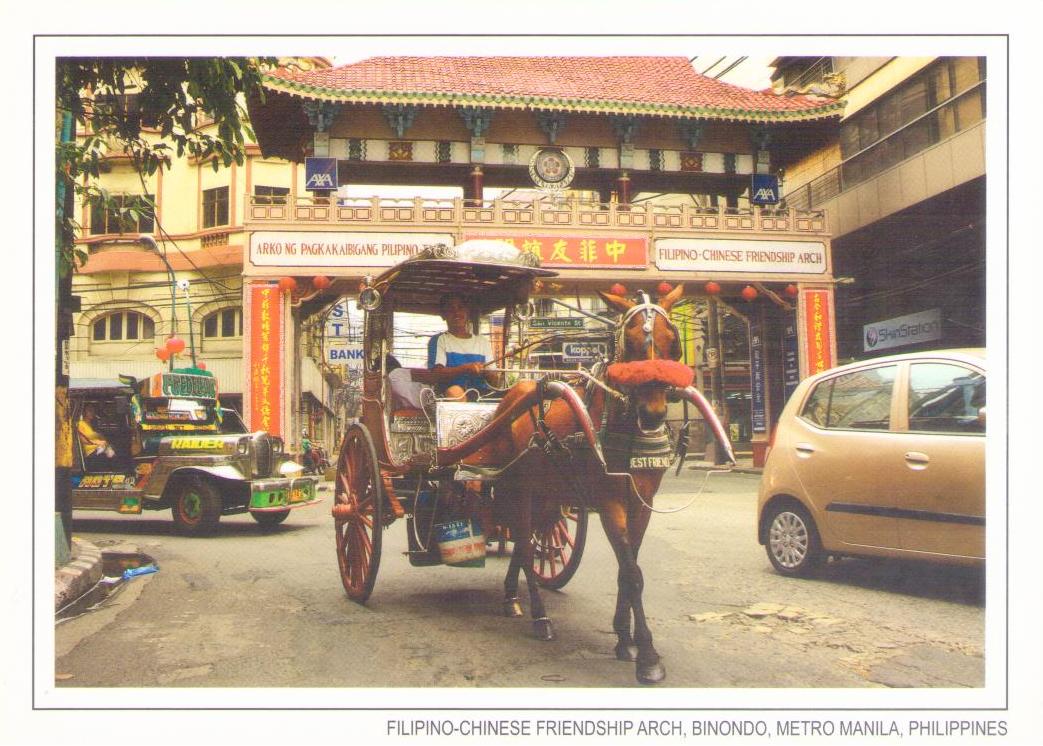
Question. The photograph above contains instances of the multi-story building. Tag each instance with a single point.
(129, 305)
(903, 183)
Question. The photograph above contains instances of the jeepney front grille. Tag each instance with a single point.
(263, 456)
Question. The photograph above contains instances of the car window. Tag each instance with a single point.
(945, 398)
(860, 400)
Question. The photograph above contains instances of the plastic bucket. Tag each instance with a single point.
(461, 543)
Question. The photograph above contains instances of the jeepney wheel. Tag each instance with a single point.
(358, 513)
(270, 518)
(196, 506)
(558, 550)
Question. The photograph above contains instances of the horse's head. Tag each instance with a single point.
(648, 346)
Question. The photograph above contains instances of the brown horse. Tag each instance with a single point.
(632, 410)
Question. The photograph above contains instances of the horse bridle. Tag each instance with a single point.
(649, 309)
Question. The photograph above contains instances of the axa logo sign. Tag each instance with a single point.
(320, 173)
(764, 190)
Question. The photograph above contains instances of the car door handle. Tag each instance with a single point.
(804, 449)
(917, 460)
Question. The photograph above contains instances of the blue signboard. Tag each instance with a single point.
(765, 189)
(790, 361)
(758, 416)
(320, 174)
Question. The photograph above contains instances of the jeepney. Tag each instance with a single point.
(171, 445)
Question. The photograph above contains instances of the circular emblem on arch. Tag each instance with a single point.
(551, 168)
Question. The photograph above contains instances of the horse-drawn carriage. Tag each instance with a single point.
(528, 459)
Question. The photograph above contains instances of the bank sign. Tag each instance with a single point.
(913, 328)
(723, 255)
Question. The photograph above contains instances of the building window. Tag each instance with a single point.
(123, 326)
(592, 157)
(228, 322)
(444, 151)
(215, 207)
(655, 159)
(944, 99)
(122, 213)
(269, 195)
(125, 107)
(356, 149)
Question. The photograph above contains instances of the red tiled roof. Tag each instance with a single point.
(656, 86)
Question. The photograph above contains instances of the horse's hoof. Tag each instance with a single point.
(651, 673)
(543, 628)
(626, 652)
(512, 608)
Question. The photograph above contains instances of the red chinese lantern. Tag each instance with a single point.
(749, 293)
(287, 284)
(175, 345)
(162, 354)
(663, 288)
(791, 290)
(712, 288)
(321, 282)
(618, 289)
(201, 365)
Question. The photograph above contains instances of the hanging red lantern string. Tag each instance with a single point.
(618, 289)
(201, 365)
(162, 353)
(749, 293)
(321, 282)
(287, 284)
(791, 290)
(175, 345)
(712, 288)
(664, 288)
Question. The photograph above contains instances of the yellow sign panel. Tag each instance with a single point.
(197, 444)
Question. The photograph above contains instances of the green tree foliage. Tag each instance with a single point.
(148, 109)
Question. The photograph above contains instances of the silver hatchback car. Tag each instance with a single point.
(884, 458)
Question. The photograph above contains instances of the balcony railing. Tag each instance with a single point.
(460, 215)
(927, 130)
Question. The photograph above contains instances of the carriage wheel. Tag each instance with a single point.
(557, 551)
(358, 513)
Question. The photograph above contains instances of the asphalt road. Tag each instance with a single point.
(250, 608)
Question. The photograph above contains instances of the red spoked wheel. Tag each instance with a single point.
(557, 551)
(358, 513)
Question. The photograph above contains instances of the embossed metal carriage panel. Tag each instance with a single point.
(457, 421)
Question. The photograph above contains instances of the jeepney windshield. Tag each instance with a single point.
(187, 413)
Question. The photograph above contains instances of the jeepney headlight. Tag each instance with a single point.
(243, 446)
(276, 445)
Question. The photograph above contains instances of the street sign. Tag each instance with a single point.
(583, 352)
(320, 174)
(556, 322)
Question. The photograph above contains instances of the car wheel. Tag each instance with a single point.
(792, 541)
(196, 507)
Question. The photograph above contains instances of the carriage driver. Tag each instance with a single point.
(456, 358)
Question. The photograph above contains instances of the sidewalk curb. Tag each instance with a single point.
(741, 469)
(79, 575)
